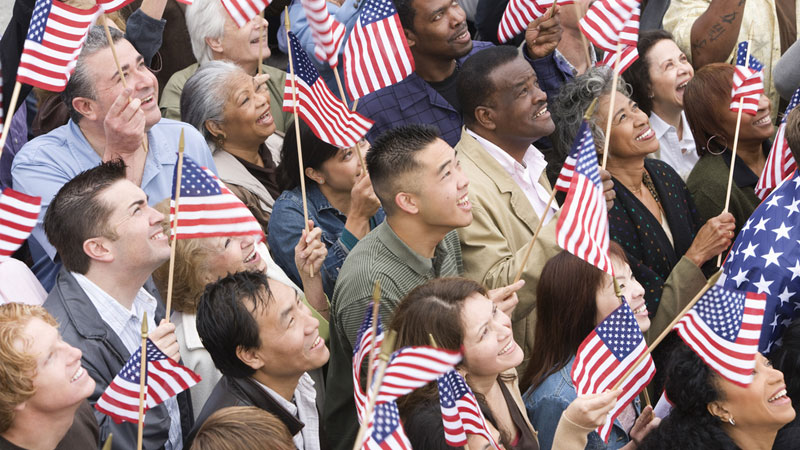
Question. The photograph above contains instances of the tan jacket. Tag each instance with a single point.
(231, 171)
(503, 223)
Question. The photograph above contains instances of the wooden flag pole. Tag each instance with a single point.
(376, 302)
(711, 281)
(142, 379)
(386, 352)
(10, 114)
(297, 129)
(553, 9)
(614, 81)
(344, 100)
(119, 68)
(174, 227)
(261, 42)
(107, 444)
(735, 145)
(586, 116)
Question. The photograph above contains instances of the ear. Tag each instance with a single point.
(215, 44)
(315, 175)
(484, 116)
(214, 128)
(717, 410)
(99, 249)
(407, 202)
(411, 38)
(20, 407)
(250, 357)
(86, 107)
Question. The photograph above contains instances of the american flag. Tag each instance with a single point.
(243, 11)
(328, 117)
(604, 357)
(582, 227)
(723, 328)
(164, 378)
(385, 431)
(109, 6)
(364, 345)
(54, 41)
(629, 37)
(413, 367)
(520, 13)
(376, 54)
(748, 81)
(208, 208)
(605, 20)
(780, 162)
(18, 214)
(461, 413)
(327, 32)
(765, 259)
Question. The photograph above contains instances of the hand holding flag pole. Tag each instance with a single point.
(142, 379)
(386, 352)
(297, 131)
(174, 226)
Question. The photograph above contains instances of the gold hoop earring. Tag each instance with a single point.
(708, 145)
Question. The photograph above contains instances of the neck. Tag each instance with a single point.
(751, 439)
(122, 286)
(515, 147)
(95, 134)
(433, 69)
(284, 386)
(418, 236)
(250, 67)
(752, 155)
(627, 171)
(26, 431)
(574, 47)
(247, 152)
(483, 384)
(338, 199)
(671, 115)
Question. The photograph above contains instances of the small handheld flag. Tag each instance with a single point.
(327, 32)
(461, 413)
(780, 162)
(18, 215)
(605, 21)
(748, 81)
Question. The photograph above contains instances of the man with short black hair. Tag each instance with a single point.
(107, 121)
(264, 340)
(111, 241)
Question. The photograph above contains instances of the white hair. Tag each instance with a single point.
(205, 19)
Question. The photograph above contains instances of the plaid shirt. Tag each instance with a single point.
(413, 100)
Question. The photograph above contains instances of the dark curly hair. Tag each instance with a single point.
(691, 385)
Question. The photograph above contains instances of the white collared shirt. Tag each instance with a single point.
(304, 408)
(526, 175)
(127, 324)
(681, 154)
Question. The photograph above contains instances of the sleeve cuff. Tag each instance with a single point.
(348, 240)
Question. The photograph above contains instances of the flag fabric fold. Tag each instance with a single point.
(207, 208)
(55, 37)
(326, 115)
(327, 32)
(780, 162)
(604, 357)
(582, 227)
(364, 345)
(164, 378)
(385, 431)
(605, 20)
(461, 414)
(723, 328)
(376, 54)
(748, 81)
(18, 215)
(413, 367)
(242, 11)
(629, 37)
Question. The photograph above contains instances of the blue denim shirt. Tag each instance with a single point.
(551, 398)
(286, 227)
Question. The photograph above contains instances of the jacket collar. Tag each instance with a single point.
(232, 171)
(251, 391)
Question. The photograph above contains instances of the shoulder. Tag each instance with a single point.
(707, 173)
(287, 199)
(276, 75)
(41, 147)
(178, 79)
(663, 170)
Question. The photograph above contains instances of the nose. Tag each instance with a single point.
(155, 216)
(640, 118)
(247, 241)
(764, 103)
(312, 323)
(637, 291)
(458, 15)
(539, 96)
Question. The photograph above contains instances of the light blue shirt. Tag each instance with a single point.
(46, 163)
(127, 324)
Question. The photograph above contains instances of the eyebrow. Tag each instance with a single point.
(444, 165)
(438, 11)
(136, 203)
(125, 67)
(622, 109)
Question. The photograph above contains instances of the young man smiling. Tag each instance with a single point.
(264, 340)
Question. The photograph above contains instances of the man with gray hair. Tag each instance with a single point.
(107, 121)
(215, 36)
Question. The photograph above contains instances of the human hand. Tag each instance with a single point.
(591, 411)
(310, 252)
(166, 341)
(645, 423)
(363, 201)
(543, 34)
(506, 297)
(712, 239)
(608, 188)
(124, 126)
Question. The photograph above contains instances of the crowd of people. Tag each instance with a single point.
(439, 203)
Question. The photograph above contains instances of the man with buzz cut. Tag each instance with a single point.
(107, 121)
(110, 242)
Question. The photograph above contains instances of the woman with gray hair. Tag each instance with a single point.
(232, 110)
(653, 218)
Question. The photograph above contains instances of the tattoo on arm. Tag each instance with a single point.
(715, 32)
(728, 18)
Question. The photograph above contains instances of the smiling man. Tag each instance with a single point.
(110, 241)
(264, 340)
(107, 121)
